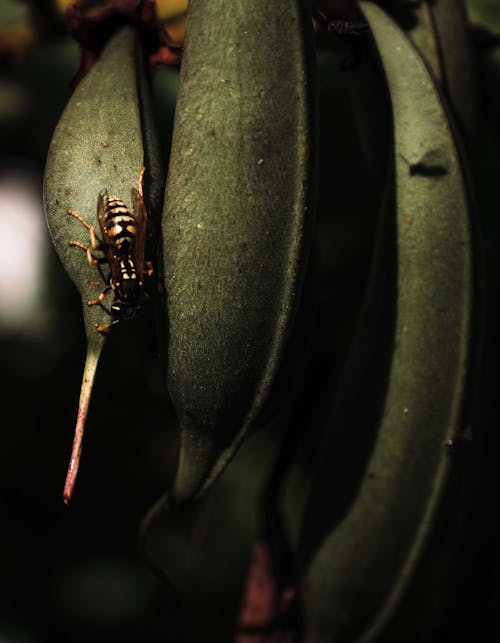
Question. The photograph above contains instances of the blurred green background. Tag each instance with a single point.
(75, 574)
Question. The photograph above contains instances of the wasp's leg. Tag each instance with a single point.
(100, 299)
(148, 268)
(140, 180)
(93, 239)
(94, 261)
(104, 329)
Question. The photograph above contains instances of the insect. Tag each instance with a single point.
(123, 240)
(340, 27)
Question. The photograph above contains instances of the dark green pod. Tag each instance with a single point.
(103, 139)
(424, 36)
(385, 465)
(442, 36)
(236, 220)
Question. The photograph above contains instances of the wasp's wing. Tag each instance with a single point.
(107, 242)
(141, 221)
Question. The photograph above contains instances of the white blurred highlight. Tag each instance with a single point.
(23, 252)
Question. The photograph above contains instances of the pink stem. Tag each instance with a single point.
(83, 407)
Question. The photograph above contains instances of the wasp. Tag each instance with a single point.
(122, 244)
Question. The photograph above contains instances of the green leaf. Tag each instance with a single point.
(237, 221)
(384, 466)
(103, 139)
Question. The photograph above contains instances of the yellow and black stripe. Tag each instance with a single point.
(119, 224)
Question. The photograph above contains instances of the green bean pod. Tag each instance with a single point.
(236, 220)
(102, 141)
(442, 36)
(386, 462)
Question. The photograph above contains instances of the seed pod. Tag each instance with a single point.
(384, 466)
(236, 220)
(103, 139)
(442, 36)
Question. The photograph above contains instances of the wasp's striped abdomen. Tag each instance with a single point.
(119, 224)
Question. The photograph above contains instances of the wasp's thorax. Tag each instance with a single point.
(127, 287)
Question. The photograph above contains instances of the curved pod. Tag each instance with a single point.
(236, 220)
(103, 139)
(442, 36)
(362, 564)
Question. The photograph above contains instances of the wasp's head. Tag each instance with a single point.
(129, 291)
(123, 310)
